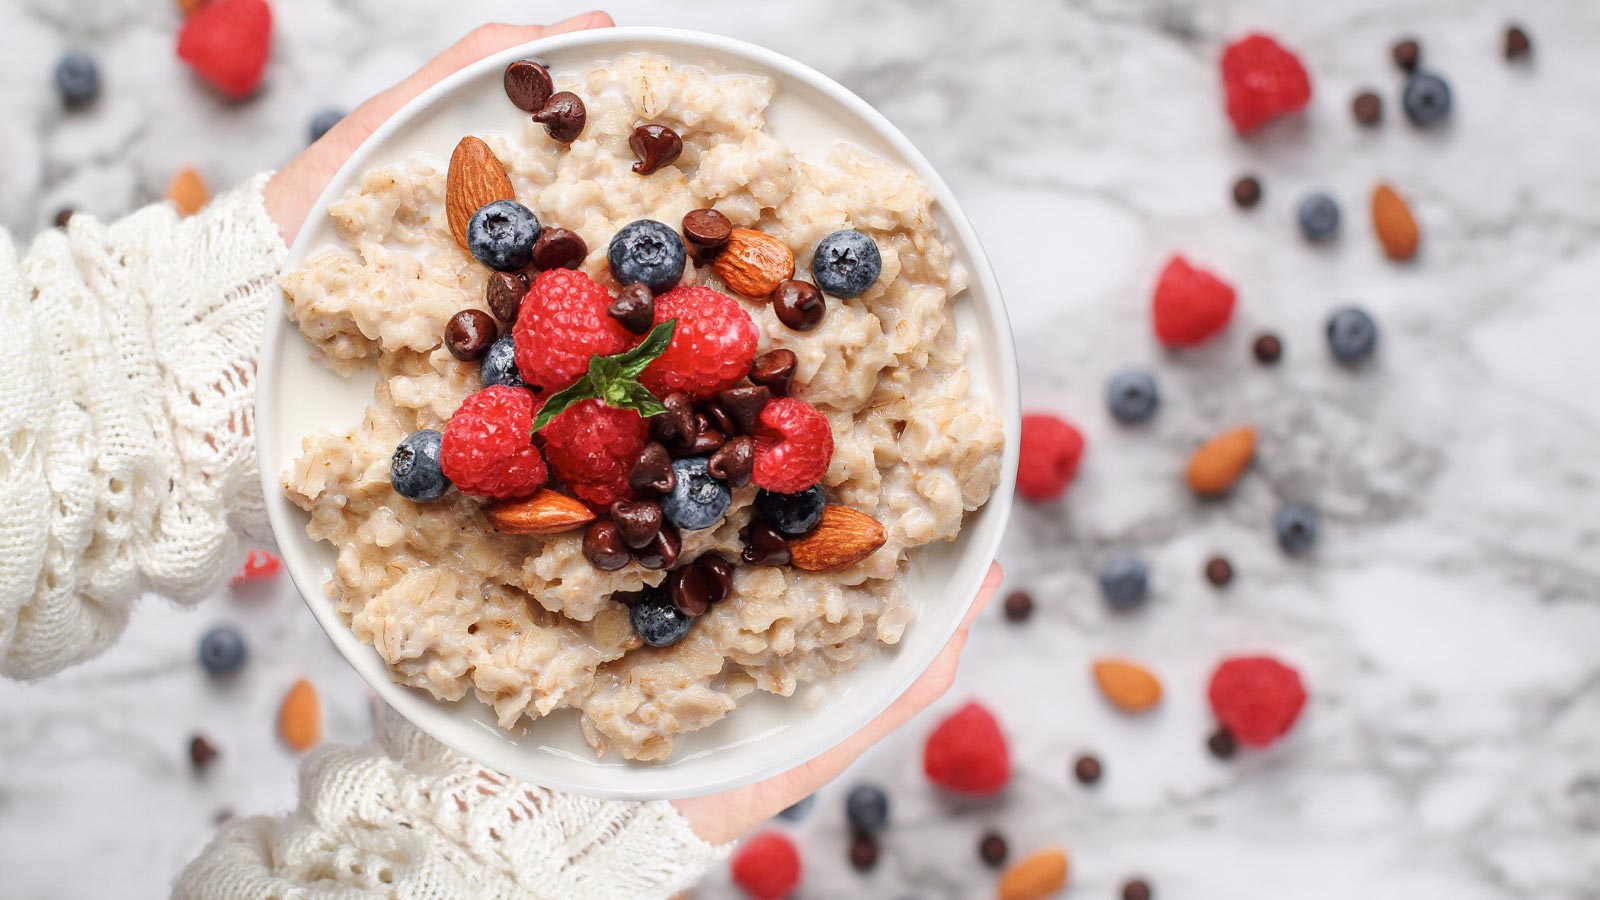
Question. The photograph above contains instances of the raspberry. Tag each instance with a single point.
(712, 344)
(1049, 451)
(488, 446)
(562, 323)
(592, 447)
(967, 753)
(1256, 698)
(1262, 81)
(767, 867)
(227, 43)
(1190, 305)
(794, 455)
(258, 565)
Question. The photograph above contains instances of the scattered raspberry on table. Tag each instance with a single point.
(1049, 453)
(227, 43)
(767, 867)
(258, 565)
(1190, 305)
(1256, 698)
(1262, 81)
(967, 753)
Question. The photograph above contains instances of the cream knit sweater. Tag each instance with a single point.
(127, 359)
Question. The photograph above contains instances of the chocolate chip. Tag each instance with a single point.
(1268, 349)
(653, 471)
(763, 545)
(674, 427)
(774, 371)
(1219, 571)
(1407, 54)
(719, 418)
(744, 404)
(469, 333)
(719, 575)
(1221, 744)
(603, 546)
(992, 849)
(707, 439)
(689, 590)
(558, 248)
(528, 85)
(63, 216)
(798, 304)
(1367, 107)
(1087, 769)
(1018, 606)
(504, 294)
(1137, 889)
(638, 521)
(1518, 45)
(1247, 192)
(706, 229)
(734, 461)
(656, 146)
(661, 553)
(563, 117)
(635, 308)
(201, 753)
(864, 853)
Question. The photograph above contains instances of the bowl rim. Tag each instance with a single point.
(612, 782)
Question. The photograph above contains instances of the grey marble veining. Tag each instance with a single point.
(1448, 625)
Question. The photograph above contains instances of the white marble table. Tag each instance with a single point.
(1448, 625)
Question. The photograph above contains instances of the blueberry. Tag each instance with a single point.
(1132, 396)
(698, 499)
(1319, 217)
(646, 252)
(799, 809)
(1352, 335)
(499, 365)
(222, 650)
(323, 122)
(501, 235)
(867, 808)
(659, 623)
(1296, 525)
(77, 78)
(1426, 99)
(1124, 581)
(846, 264)
(414, 469)
(793, 514)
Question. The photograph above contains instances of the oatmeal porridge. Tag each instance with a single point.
(534, 604)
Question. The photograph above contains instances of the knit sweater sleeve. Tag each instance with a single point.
(407, 817)
(127, 352)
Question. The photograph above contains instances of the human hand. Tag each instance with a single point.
(719, 818)
(292, 192)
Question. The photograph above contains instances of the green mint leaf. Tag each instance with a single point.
(563, 400)
(640, 400)
(632, 363)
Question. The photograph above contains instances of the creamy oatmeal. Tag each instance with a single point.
(525, 622)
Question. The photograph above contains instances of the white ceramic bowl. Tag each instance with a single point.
(767, 735)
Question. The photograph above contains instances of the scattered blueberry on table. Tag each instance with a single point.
(222, 650)
(867, 808)
(1296, 525)
(1124, 581)
(1426, 99)
(1352, 335)
(1318, 215)
(77, 78)
(1132, 396)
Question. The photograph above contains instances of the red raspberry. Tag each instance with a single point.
(1262, 81)
(795, 453)
(767, 867)
(227, 43)
(258, 565)
(1049, 455)
(488, 448)
(967, 753)
(1256, 698)
(563, 322)
(592, 447)
(712, 344)
(1190, 305)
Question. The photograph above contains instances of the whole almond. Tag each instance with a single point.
(187, 191)
(1396, 227)
(1218, 463)
(476, 179)
(844, 537)
(1036, 877)
(546, 512)
(1129, 686)
(753, 263)
(300, 717)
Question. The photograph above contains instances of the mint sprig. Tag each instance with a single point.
(614, 380)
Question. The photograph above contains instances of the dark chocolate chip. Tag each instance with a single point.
(799, 304)
(707, 439)
(656, 146)
(639, 521)
(1221, 744)
(744, 405)
(734, 461)
(774, 371)
(1137, 889)
(469, 333)
(558, 248)
(661, 553)
(603, 546)
(528, 85)
(1018, 606)
(675, 427)
(1247, 192)
(717, 414)
(719, 575)
(653, 471)
(63, 216)
(635, 308)
(1268, 349)
(1367, 107)
(689, 590)
(563, 117)
(504, 294)
(1219, 571)
(1518, 45)
(706, 229)
(864, 853)
(1087, 769)
(201, 753)
(1406, 54)
(992, 849)
(763, 545)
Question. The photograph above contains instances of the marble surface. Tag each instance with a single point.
(1448, 624)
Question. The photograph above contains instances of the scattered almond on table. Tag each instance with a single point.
(1129, 686)
(1216, 465)
(300, 717)
(1036, 877)
(188, 192)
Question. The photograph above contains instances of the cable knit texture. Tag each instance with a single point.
(127, 354)
(408, 817)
